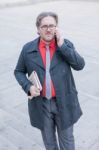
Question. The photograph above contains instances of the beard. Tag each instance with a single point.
(48, 37)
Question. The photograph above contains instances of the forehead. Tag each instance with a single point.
(48, 20)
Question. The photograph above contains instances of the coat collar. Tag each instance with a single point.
(34, 48)
(34, 45)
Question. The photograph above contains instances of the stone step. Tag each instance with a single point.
(23, 117)
(15, 93)
(26, 128)
(90, 122)
(21, 124)
(27, 131)
(16, 138)
(6, 145)
(8, 113)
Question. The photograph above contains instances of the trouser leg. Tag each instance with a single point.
(65, 137)
(52, 121)
(48, 134)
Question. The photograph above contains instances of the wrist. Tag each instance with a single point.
(60, 42)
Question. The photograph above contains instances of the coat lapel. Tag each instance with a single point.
(36, 56)
(55, 59)
(38, 59)
(35, 53)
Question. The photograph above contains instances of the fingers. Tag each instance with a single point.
(37, 90)
(57, 33)
(34, 91)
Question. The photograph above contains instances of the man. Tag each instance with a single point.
(56, 106)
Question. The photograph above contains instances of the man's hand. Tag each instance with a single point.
(34, 91)
(59, 37)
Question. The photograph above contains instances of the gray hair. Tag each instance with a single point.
(45, 14)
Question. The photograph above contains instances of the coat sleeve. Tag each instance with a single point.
(71, 56)
(20, 73)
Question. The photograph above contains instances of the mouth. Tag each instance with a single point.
(48, 34)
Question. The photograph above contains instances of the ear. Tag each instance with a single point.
(38, 32)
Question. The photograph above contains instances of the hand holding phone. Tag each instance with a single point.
(59, 37)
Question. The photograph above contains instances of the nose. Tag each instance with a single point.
(48, 29)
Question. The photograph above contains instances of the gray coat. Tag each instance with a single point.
(64, 58)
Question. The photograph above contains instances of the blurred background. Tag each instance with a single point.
(79, 22)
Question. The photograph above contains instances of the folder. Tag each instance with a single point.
(34, 79)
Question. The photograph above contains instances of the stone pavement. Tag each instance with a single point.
(14, 3)
(80, 24)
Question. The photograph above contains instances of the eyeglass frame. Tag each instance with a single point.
(46, 27)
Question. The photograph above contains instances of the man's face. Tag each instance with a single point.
(47, 28)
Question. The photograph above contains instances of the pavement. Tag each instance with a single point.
(15, 3)
(79, 21)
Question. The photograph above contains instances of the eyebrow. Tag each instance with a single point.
(48, 24)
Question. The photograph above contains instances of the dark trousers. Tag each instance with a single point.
(51, 125)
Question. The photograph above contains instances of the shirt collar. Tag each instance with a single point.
(51, 45)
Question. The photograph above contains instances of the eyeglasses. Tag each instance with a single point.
(45, 27)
